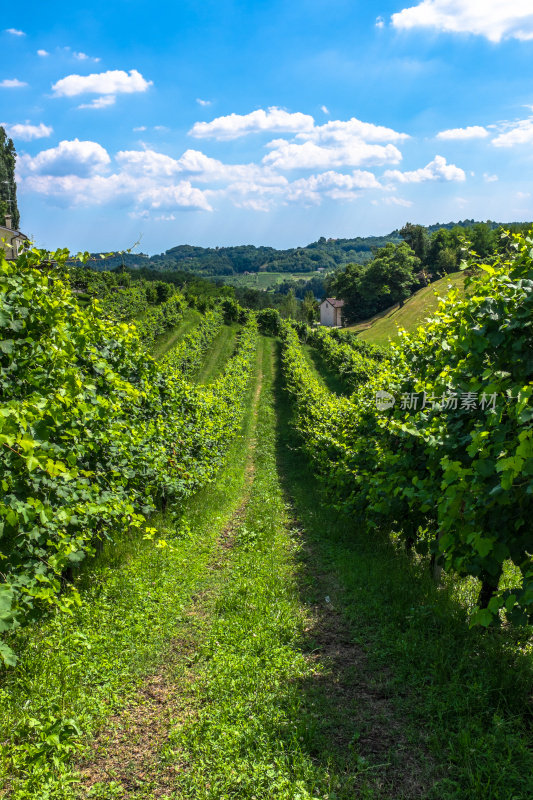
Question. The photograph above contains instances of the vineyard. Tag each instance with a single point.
(242, 557)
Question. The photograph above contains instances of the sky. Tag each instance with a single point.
(216, 123)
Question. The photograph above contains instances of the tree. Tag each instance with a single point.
(8, 187)
(389, 278)
(289, 306)
(417, 239)
(309, 307)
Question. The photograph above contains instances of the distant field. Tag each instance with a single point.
(266, 280)
(421, 305)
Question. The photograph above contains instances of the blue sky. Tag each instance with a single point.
(218, 123)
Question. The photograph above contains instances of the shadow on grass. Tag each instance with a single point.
(332, 380)
(410, 699)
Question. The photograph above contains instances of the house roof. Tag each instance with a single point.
(14, 233)
(334, 302)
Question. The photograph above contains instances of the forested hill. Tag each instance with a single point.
(324, 253)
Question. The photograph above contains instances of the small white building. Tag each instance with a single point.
(11, 241)
(331, 312)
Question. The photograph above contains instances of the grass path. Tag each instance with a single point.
(265, 696)
(276, 651)
(217, 355)
(171, 338)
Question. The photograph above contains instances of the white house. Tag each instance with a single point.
(331, 312)
(11, 241)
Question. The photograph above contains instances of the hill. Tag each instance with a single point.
(420, 306)
(324, 254)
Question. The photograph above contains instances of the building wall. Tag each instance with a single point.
(330, 316)
(327, 314)
(12, 243)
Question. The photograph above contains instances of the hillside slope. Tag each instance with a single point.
(385, 326)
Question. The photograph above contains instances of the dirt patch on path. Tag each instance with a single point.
(128, 750)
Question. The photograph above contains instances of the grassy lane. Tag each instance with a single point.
(437, 710)
(76, 672)
(324, 372)
(253, 715)
(171, 338)
(217, 355)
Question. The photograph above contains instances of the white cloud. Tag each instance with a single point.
(233, 126)
(140, 128)
(380, 22)
(436, 170)
(324, 109)
(494, 19)
(112, 82)
(203, 102)
(12, 83)
(100, 102)
(519, 133)
(69, 158)
(347, 131)
(391, 200)
(15, 32)
(488, 178)
(523, 195)
(471, 132)
(43, 53)
(26, 132)
(84, 57)
(181, 195)
(288, 155)
(333, 185)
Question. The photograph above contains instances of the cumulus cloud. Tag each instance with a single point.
(180, 195)
(347, 131)
(380, 22)
(493, 19)
(203, 102)
(15, 32)
(436, 170)
(391, 200)
(100, 102)
(233, 126)
(333, 185)
(471, 132)
(488, 178)
(324, 109)
(289, 155)
(12, 83)
(43, 53)
(27, 132)
(80, 159)
(112, 82)
(84, 57)
(518, 133)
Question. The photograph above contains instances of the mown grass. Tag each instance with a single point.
(463, 694)
(325, 373)
(171, 338)
(257, 730)
(416, 309)
(75, 671)
(220, 351)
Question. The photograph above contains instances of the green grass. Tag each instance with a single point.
(260, 725)
(327, 376)
(461, 696)
(309, 658)
(171, 338)
(384, 327)
(220, 351)
(75, 672)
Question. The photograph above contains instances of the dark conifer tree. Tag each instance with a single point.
(8, 187)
